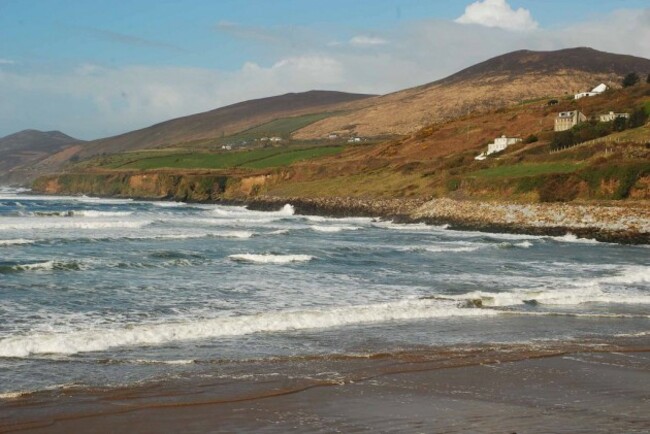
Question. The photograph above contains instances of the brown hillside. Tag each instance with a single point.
(503, 80)
(28, 147)
(420, 164)
(222, 121)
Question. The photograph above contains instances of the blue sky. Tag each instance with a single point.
(94, 68)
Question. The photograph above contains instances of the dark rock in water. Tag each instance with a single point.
(531, 302)
(477, 302)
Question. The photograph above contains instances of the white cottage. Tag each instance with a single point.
(500, 144)
(602, 87)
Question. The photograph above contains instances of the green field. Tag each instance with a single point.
(280, 127)
(253, 159)
(521, 170)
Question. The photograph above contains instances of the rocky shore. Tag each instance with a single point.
(628, 224)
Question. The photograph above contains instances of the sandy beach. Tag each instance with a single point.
(553, 388)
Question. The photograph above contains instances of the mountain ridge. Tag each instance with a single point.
(498, 81)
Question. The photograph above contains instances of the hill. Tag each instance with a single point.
(223, 121)
(504, 80)
(29, 147)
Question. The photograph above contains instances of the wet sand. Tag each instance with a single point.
(601, 389)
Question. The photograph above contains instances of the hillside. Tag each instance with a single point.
(223, 121)
(500, 81)
(436, 161)
(29, 147)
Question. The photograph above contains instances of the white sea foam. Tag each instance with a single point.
(279, 232)
(95, 213)
(234, 234)
(156, 334)
(48, 266)
(45, 265)
(521, 245)
(15, 242)
(450, 249)
(571, 238)
(574, 291)
(55, 223)
(167, 204)
(270, 259)
(333, 229)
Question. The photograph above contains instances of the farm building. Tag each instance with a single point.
(500, 144)
(602, 87)
(567, 120)
(611, 116)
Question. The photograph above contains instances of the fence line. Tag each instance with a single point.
(608, 140)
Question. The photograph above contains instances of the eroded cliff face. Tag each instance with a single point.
(193, 187)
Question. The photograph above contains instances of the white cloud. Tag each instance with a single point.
(367, 41)
(7, 62)
(497, 13)
(101, 101)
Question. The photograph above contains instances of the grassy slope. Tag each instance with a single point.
(439, 159)
(256, 158)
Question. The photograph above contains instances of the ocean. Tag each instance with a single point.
(107, 293)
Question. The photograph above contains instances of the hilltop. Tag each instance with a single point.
(223, 121)
(501, 81)
(29, 147)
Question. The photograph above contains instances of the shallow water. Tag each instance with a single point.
(100, 292)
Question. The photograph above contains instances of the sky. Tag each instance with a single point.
(96, 68)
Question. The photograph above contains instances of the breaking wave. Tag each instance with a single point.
(333, 229)
(156, 334)
(595, 290)
(15, 242)
(40, 266)
(270, 258)
(37, 224)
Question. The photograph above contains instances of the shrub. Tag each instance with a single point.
(531, 139)
(453, 184)
(638, 118)
(558, 188)
(562, 139)
(619, 124)
(631, 79)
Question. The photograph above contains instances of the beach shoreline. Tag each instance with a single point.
(490, 388)
(614, 224)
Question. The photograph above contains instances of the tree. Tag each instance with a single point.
(620, 123)
(647, 80)
(638, 118)
(631, 79)
(562, 139)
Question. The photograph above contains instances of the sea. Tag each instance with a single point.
(107, 293)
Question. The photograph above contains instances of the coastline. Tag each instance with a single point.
(613, 223)
(567, 387)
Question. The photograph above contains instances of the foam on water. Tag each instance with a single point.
(272, 321)
(55, 223)
(42, 266)
(15, 242)
(333, 229)
(573, 291)
(270, 258)
(571, 238)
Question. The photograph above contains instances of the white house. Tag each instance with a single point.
(500, 144)
(602, 87)
(333, 136)
(354, 140)
(275, 139)
(611, 116)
